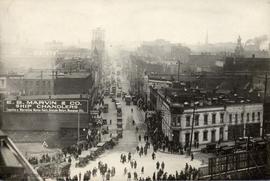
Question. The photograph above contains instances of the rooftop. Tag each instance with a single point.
(40, 74)
(74, 75)
(185, 98)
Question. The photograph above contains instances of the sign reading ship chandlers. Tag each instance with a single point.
(52, 106)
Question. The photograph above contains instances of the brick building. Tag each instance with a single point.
(217, 117)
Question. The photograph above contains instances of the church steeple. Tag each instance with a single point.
(239, 50)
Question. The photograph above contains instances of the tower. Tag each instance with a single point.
(98, 52)
(98, 40)
(239, 50)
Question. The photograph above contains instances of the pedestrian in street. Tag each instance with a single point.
(192, 156)
(137, 129)
(131, 109)
(139, 137)
(140, 153)
(162, 165)
(142, 170)
(138, 148)
(145, 151)
(129, 156)
(110, 121)
(153, 155)
(133, 122)
(131, 164)
(154, 176)
(125, 170)
(80, 176)
(124, 158)
(164, 148)
(108, 176)
(135, 164)
(157, 165)
(135, 176)
(129, 176)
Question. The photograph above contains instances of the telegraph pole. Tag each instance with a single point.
(264, 101)
(178, 61)
(192, 127)
(78, 125)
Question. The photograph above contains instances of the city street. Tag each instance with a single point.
(128, 143)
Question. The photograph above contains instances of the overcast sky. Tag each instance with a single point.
(185, 21)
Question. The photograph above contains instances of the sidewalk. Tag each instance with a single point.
(193, 149)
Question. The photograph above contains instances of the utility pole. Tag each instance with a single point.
(192, 127)
(78, 125)
(264, 101)
(178, 61)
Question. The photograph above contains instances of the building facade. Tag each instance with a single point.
(208, 121)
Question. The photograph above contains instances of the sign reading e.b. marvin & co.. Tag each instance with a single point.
(68, 106)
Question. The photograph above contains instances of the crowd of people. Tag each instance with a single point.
(102, 168)
(45, 158)
(134, 170)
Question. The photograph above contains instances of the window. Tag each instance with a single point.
(253, 116)
(213, 118)
(221, 117)
(37, 83)
(197, 119)
(242, 117)
(247, 117)
(44, 83)
(205, 119)
(2, 83)
(174, 121)
(259, 116)
(178, 121)
(230, 118)
(187, 121)
(205, 135)
(236, 118)
(187, 135)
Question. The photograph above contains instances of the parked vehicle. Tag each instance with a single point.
(128, 99)
(226, 150)
(106, 108)
(118, 94)
(210, 148)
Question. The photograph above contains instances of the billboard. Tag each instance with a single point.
(48, 106)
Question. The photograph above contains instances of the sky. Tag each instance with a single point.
(184, 21)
